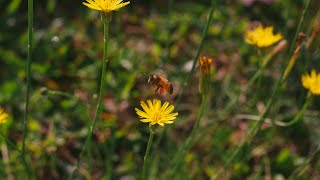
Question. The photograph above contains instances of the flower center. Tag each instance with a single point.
(157, 116)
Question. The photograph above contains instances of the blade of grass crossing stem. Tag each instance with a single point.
(254, 129)
(106, 20)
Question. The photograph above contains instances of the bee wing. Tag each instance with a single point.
(160, 72)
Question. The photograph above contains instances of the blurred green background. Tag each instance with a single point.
(145, 37)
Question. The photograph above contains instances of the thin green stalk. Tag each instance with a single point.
(254, 78)
(298, 28)
(28, 71)
(168, 28)
(195, 59)
(146, 156)
(263, 64)
(178, 158)
(110, 153)
(299, 115)
(106, 21)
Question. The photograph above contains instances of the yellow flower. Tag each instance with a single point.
(3, 116)
(311, 82)
(105, 6)
(154, 113)
(262, 37)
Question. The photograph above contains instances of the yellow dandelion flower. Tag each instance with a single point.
(154, 113)
(105, 6)
(311, 82)
(3, 116)
(262, 37)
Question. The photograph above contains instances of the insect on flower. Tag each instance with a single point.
(159, 81)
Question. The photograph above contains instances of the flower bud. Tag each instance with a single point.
(205, 69)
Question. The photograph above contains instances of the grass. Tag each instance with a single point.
(269, 130)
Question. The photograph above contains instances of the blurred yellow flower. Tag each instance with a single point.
(262, 37)
(155, 113)
(311, 82)
(3, 116)
(105, 6)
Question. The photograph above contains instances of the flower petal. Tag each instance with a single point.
(145, 107)
(169, 109)
(141, 113)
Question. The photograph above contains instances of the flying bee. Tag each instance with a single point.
(161, 83)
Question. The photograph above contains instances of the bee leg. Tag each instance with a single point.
(157, 89)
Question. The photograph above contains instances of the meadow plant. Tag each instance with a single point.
(257, 125)
(312, 84)
(154, 114)
(105, 7)
(120, 142)
(263, 37)
(204, 89)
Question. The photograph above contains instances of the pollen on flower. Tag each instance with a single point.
(3, 116)
(262, 37)
(105, 6)
(154, 113)
(311, 82)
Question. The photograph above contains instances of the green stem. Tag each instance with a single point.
(28, 71)
(254, 78)
(106, 21)
(195, 59)
(168, 28)
(263, 65)
(299, 115)
(146, 156)
(178, 158)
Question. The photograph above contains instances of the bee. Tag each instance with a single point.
(161, 83)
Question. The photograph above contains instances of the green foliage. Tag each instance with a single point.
(146, 36)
